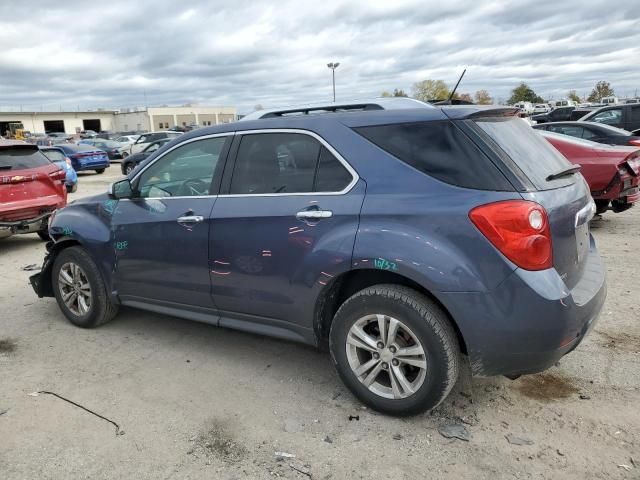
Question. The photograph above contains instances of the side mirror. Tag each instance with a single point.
(121, 189)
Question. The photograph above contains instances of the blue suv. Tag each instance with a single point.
(402, 240)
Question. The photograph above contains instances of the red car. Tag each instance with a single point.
(611, 171)
(31, 188)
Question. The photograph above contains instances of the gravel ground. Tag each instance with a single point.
(195, 401)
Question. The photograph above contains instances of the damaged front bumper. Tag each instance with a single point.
(41, 281)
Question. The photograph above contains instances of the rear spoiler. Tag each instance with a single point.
(495, 112)
(18, 145)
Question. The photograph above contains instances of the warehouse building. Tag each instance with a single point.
(137, 119)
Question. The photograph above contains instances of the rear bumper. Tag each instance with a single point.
(530, 321)
(31, 225)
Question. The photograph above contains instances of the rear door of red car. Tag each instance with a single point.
(30, 184)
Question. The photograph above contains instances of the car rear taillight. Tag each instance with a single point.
(519, 229)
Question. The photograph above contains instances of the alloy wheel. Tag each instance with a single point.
(75, 289)
(386, 356)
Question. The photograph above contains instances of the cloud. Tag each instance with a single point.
(245, 52)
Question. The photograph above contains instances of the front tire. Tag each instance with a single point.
(44, 235)
(79, 289)
(395, 349)
(129, 168)
(100, 170)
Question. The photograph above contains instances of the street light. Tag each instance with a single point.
(333, 67)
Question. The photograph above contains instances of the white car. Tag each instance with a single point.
(146, 138)
(541, 108)
(126, 141)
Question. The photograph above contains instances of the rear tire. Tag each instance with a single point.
(44, 235)
(79, 290)
(100, 170)
(417, 364)
(129, 168)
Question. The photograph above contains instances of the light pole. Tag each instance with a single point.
(333, 66)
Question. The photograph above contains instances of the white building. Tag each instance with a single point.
(147, 119)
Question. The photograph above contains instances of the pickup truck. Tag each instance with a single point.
(625, 116)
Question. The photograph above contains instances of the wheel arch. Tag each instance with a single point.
(348, 283)
(45, 282)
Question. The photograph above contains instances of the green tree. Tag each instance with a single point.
(483, 98)
(601, 90)
(572, 95)
(524, 93)
(430, 90)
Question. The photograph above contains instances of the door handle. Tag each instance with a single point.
(191, 219)
(313, 214)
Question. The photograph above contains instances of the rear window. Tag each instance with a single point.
(54, 155)
(20, 158)
(534, 155)
(440, 150)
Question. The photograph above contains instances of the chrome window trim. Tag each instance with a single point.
(194, 139)
(354, 175)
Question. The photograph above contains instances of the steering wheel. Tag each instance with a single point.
(193, 187)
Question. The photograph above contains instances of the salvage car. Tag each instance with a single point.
(612, 172)
(625, 116)
(146, 138)
(595, 132)
(57, 156)
(399, 239)
(132, 161)
(555, 115)
(110, 147)
(85, 157)
(31, 188)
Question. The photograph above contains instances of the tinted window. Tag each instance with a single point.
(528, 149)
(275, 163)
(440, 150)
(19, 158)
(54, 155)
(608, 117)
(570, 130)
(635, 114)
(184, 172)
(331, 175)
(588, 133)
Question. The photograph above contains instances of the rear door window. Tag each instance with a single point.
(532, 153)
(440, 150)
(608, 117)
(21, 158)
(286, 163)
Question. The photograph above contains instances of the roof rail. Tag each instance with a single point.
(382, 103)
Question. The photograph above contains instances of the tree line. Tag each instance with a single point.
(428, 90)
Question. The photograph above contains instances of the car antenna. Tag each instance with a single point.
(455, 88)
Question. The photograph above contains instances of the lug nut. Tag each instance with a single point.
(380, 345)
(385, 365)
(376, 355)
(395, 362)
(392, 349)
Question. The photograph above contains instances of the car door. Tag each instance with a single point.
(283, 226)
(161, 235)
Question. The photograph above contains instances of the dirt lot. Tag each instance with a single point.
(195, 401)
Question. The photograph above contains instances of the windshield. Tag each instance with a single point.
(54, 155)
(19, 158)
(536, 157)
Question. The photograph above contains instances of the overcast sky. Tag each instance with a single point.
(242, 53)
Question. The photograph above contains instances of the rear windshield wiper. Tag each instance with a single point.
(564, 172)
